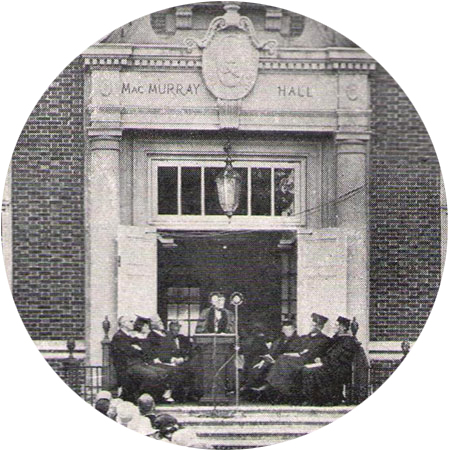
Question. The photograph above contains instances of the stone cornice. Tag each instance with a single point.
(138, 109)
(156, 57)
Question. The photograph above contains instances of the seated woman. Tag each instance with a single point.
(323, 381)
(152, 339)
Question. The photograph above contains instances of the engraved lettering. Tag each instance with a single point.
(173, 89)
(295, 91)
(180, 89)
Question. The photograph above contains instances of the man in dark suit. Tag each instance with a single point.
(182, 346)
(216, 318)
(288, 342)
(283, 375)
(172, 352)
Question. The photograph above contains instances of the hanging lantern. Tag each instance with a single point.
(228, 183)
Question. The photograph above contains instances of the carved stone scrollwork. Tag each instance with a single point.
(231, 19)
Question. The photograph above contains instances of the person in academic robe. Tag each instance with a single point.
(135, 374)
(253, 346)
(216, 318)
(283, 375)
(323, 381)
(288, 342)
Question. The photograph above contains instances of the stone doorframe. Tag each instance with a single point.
(297, 90)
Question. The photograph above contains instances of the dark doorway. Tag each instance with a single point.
(198, 263)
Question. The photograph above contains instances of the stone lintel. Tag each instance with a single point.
(357, 138)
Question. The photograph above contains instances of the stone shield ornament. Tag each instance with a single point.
(230, 65)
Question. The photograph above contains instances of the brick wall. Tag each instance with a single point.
(48, 217)
(404, 216)
(381, 370)
(48, 240)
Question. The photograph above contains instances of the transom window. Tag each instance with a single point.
(269, 189)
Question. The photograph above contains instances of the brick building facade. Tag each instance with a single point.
(49, 222)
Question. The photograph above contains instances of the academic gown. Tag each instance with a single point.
(256, 376)
(324, 385)
(206, 321)
(163, 347)
(283, 375)
(133, 370)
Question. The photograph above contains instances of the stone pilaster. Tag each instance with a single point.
(351, 215)
(7, 228)
(351, 186)
(103, 209)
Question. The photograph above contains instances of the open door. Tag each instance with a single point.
(137, 270)
(321, 276)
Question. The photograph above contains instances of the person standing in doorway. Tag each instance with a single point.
(216, 318)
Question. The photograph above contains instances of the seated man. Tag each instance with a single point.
(181, 344)
(216, 318)
(323, 381)
(134, 373)
(283, 373)
(288, 342)
(253, 346)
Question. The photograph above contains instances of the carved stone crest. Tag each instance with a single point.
(230, 65)
(230, 55)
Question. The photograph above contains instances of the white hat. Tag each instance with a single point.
(142, 425)
(126, 411)
(186, 437)
(103, 395)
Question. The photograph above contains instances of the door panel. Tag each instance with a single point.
(137, 270)
(321, 276)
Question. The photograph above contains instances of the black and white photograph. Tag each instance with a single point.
(224, 225)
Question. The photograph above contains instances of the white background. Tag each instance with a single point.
(39, 38)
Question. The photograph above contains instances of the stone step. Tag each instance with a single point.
(250, 426)
(332, 412)
(245, 421)
(251, 431)
(235, 445)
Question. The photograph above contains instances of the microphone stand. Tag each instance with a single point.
(237, 299)
(236, 353)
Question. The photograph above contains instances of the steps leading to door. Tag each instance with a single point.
(249, 426)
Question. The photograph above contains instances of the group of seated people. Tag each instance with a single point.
(309, 369)
(142, 417)
(149, 359)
